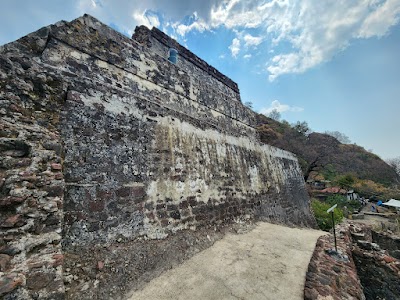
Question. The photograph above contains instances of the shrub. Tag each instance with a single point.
(345, 181)
(336, 199)
(324, 220)
(342, 201)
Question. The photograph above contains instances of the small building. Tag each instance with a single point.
(318, 184)
(351, 195)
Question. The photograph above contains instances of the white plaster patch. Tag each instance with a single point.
(254, 178)
(144, 65)
(78, 55)
(211, 148)
(102, 64)
(219, 138)
(113, 104)
(216, 114)
(179, 89)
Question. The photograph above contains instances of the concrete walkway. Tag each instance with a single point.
(268, 262)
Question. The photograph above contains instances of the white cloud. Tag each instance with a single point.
(380, 20)
(315, 29)
(235, 47)
(312, 31)
(250, 40)
(276, 105)
(234, 14)
(197, 24)
(146, 18)
(247, 56)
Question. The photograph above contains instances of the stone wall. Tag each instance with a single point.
(387, 241)
(160, 43)
(362, 269)
(378, 270)
(31, 176)
(333, 275)
(107, 148)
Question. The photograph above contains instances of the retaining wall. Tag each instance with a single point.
(107, 148)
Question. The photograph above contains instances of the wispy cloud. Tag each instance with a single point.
(276, 105)
(235, 47)
(301, 33)
(378, 22)
(146, 18)
(250, 40)
(316, 30)
(195, 24)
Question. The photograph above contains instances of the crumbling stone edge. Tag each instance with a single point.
(351, 272)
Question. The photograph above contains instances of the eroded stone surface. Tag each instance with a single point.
(331, 276)
(108, 148)
(367, 272)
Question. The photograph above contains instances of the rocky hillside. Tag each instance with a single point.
(323, 156)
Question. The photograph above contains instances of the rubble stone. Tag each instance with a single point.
(369, 272)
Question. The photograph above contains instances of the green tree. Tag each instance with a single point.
(345, 181)
(341, 201)
(336, 199)
(329, 172)
(302, 127)
(274, 115)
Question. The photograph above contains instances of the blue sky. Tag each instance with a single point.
(332, 63)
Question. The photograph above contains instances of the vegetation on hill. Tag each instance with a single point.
(395, 164)
(324, 219)
(324, 157)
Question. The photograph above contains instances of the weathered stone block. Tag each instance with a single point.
(149, 205)
(123, 192)
(183, 204)
(4, 262)
(39, 280)
(56, 166)
(172, 207)
(175, 214)
(138, 192)
(54, 190)
(13, 163)
(11, 201)
(13, 221)
(96, 206)
(9, 282)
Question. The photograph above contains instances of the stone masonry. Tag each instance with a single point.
(116, 163)
(364, 268)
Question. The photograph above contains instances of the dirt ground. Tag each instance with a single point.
(379, 222)
(268, 262)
